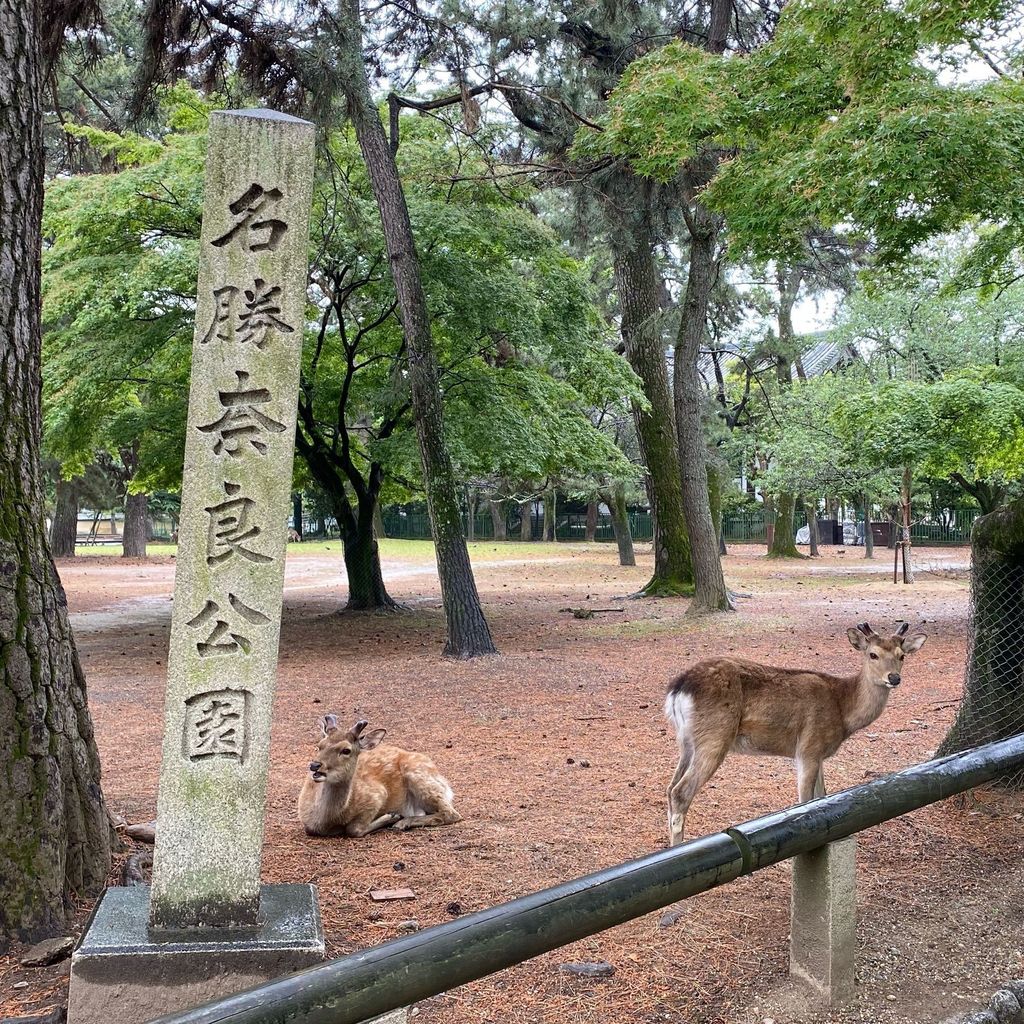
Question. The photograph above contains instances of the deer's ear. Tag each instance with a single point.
(369, 740)
(328, 724)
(857, 638)
(913, 642)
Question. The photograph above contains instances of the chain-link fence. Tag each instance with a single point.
(993, 702)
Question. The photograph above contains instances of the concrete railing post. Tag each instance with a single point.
(823, 920)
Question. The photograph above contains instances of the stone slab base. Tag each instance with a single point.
(120, 972)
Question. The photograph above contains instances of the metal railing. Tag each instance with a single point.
(373, 981)
(948, 527)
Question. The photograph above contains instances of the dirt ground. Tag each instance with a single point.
(559, 756)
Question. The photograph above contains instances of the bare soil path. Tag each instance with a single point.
(559, 757)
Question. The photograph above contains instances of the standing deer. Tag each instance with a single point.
(724, 704)
(356, 787)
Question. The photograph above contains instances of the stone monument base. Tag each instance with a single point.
(121, 972)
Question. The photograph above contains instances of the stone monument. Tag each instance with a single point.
(207, 927)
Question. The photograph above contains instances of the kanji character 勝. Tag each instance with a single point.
(259, 314)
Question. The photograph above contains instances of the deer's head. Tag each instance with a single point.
(338, 751)
(883, 656)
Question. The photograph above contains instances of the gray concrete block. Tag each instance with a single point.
(823, 926)
(122, 972)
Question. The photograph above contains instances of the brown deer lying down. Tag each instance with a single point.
(355, 787)
(724, 704)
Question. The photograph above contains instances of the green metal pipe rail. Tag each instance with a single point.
(361, 986)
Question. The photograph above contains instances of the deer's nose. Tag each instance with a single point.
(315, 766)
(894, 679)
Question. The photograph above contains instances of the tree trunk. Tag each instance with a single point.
(813, 536)
(526, 521)
(993, 705)
(366, 589)
(548, 531)
(591, 533)
(710, 594)
(784, 541)
(639, 286)
(468, 632)
(869, 537)
(497, 509)
(133, 539)
(616, 503)
(715, 503)
(54, 832)
(297, 513)
(379, 529)
(906, 494)
(64, 529)
(470, 513)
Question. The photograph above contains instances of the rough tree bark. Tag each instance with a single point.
(813, 537)
(639, 287)
(548, 529)
(905, 500)
(715, 504)
(784, 541)
(470, 513)
(616, 502)
(591, 533)
(526, 520)
(869, 537)
(709, 594)
(498, 524)
(64, 528)
(54, 832)
(993, 705)
(468, 632)
(133, 539)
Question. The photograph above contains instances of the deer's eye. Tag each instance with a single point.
(874, 657)
(345, 750)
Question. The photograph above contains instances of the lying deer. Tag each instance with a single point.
(724, 704)
(356, 787)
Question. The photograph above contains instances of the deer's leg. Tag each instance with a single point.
(810, 781)
(365, 824)
(445, 816)
(708, 754)
(685, 757)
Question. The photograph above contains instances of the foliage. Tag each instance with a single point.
(838, 120)
(523, 351)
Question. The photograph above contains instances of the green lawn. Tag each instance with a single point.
(419, 551)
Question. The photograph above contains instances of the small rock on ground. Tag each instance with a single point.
(49, 951)
(599, 969)
(1005, 1006)
(670, 917)
(144, 831)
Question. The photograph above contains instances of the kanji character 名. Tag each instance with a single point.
(215, 725)
(229, 528)
(248, 208)
(259, 314)
(242, 421)
(223, 638)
